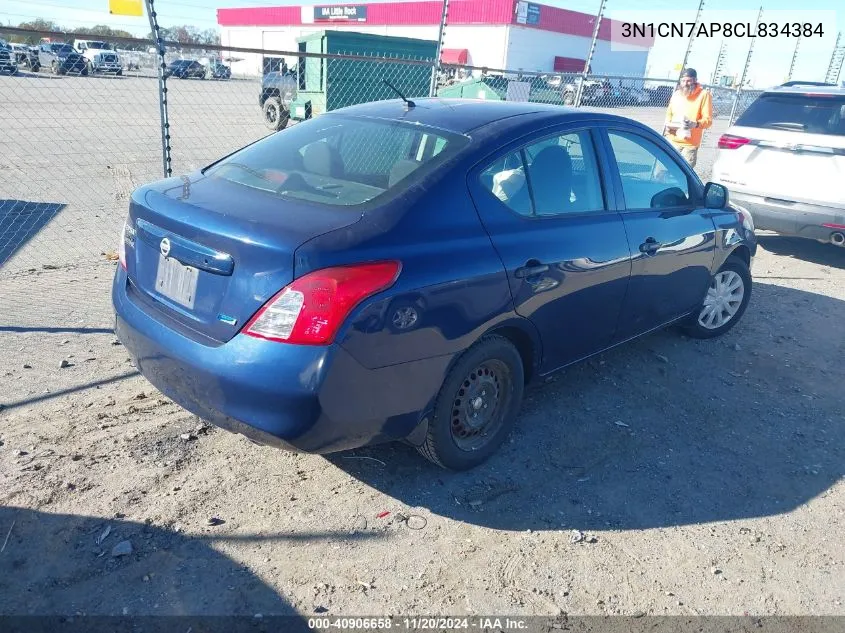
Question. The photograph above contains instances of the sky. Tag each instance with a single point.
(769, 65)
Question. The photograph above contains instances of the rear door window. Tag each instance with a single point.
(339, 160)
(813, 114)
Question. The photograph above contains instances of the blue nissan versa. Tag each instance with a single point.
(400, 270)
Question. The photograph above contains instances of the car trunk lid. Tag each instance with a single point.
(208, 253)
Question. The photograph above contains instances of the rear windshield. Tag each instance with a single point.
(62, 48)
(338, 160)
(798, 113)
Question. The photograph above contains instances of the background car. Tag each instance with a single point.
(100, 56)
(784, 160)
(185, 69)
(219, 70)
(393, 271)
(26, 56)
(61, 59)
(278, 90)
(8, 60)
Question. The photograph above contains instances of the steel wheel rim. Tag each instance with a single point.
(272, 113)
(479, 405)
(723, 300)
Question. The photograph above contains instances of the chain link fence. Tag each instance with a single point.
(77, 138)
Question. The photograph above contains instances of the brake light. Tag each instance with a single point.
(729, 141)
(311, 309)
(121, 248)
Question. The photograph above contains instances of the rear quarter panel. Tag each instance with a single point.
(452, 288)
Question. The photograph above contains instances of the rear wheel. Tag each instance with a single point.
(725, 302)
(477, 405)
(54, 67)
(275, 115)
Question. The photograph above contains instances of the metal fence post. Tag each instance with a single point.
(162, 90)
(745, 70)
(580, 91)
(435, 71)
(691, 39)
(794, 59)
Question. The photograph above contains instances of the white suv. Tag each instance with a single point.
(784, 161)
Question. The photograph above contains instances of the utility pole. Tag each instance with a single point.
(747, 65)
(794, 58)
(435, 72)
(720, 63)
(589, 60)
(836, 59)
(691, 38)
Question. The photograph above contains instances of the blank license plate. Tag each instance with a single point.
(177, 282)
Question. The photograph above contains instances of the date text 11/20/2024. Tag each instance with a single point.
(720, 29)
(417, 624)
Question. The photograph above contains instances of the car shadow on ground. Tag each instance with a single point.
(20, 221)
(804, 249)
(53, 564)
(665, 431)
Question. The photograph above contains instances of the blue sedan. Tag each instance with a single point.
(400, 271)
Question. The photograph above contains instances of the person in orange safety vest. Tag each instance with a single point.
(690, 112)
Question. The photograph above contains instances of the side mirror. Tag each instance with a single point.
(715, 196)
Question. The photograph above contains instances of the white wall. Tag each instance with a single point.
(486, 43)
(535, 50)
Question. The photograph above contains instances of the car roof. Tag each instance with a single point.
(808, 88)
(462, 115)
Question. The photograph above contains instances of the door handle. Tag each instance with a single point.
(531, 268)
(650, 246)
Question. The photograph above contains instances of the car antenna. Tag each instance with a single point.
(408, 103)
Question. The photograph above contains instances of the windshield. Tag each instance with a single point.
(62, 48)
(339, 160)
(99, 45)
(179, 62)
(814, 114)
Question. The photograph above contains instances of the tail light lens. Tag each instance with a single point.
(121, 248)
(127, 237)
(310, 310)
(729, 141)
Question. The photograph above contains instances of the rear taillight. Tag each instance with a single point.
(121, 248)
(127, 237)
(729, 141)
(310, 310)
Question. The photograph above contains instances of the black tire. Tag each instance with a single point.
(119, 72)
(36, 68)
(695, 329)
(450, 441)
(275, 115)
(54, 67)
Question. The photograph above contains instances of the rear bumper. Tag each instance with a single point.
(796, 218)
(314, 399)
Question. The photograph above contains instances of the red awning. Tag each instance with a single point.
(455, 56)
(569, 64)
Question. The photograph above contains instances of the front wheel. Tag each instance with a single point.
(725, 301)
(275, 115)
(477, 405)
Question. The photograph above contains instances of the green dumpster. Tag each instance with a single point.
(327, 84)
(498, 88)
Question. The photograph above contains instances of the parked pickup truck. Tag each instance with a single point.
(61, 59)
(278, 89)
(99, 57)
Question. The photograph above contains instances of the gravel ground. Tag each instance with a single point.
(669, 476)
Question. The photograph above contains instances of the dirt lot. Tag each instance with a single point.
(706, 478)
(670, 476)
